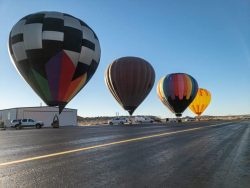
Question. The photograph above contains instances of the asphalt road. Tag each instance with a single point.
(193, 154)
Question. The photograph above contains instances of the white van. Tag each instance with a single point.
(118, 120)
(140, 119)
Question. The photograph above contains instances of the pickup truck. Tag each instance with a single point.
(20, 123)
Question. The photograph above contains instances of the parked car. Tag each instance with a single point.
(20, 123)
(176, 120)
(143, 120)
(188, 119)
(118, 120)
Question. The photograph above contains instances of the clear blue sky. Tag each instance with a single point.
(209, 40)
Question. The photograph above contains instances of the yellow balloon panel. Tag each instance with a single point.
(201, 101)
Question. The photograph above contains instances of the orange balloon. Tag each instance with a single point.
(201, 101)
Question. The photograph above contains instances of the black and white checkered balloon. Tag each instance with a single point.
(56, 54)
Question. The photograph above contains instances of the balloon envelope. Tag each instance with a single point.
(200, 102)
(130, 79)
(55, 53)
(177, 91)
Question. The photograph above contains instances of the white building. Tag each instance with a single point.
(68, 117)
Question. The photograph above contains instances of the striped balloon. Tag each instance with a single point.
(177, 91)
(201, 101)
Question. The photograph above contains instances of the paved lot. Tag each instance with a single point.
(193, 154)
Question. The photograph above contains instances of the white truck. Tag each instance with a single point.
(20, 123)
(140, 119)
(118, 120)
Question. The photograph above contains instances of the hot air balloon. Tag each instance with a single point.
(55, 53)
(201, 101)
(177, 91)
(130, 79)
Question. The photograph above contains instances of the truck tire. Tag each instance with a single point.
(38, 126)
(18, 126)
